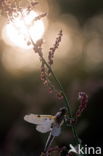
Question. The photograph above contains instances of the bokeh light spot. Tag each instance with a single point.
(17, 32)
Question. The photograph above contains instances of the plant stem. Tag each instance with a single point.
(67, 105)
(65, 99)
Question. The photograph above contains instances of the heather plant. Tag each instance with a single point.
(12, 9)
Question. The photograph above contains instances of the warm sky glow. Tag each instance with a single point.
(16, 32)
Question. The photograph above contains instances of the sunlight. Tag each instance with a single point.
(18, 31)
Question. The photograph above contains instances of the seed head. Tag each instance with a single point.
(53, 49)
(83, 103)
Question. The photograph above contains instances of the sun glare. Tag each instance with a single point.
(17, 32)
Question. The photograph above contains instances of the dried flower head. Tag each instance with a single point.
(40, 16)
(53, 49)
(83, 98)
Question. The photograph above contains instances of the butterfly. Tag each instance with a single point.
(48, 123)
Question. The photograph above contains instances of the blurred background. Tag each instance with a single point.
(78, 65)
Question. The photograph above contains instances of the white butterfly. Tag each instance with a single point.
(43, 122)
(46, 123)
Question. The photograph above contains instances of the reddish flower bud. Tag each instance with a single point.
(50, 90)
(59, 95)
(53, 49)
(83, 98)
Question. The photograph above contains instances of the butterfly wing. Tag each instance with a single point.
(44, 128)
(56, 130)
(39, 119)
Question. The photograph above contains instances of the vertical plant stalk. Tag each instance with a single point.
(66, 102)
